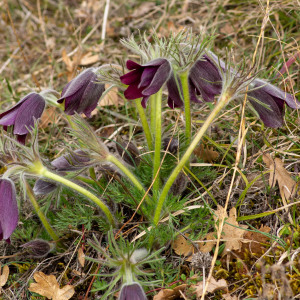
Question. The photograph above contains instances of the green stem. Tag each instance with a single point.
(145, 124)
(40, 213)
(187, 107)
(126, 171)
(46, 173)
(152, 114)
(221, 103)
(157, 149)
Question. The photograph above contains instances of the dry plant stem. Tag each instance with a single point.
(40, 213)
(187, 106)
(145, 124)
(156, 164)
(81, 190)
(224, 99)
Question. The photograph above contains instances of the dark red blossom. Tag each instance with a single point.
(146, 80)
(23, 115)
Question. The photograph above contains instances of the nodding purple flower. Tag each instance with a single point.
(82, 93)
(23, 115)
(274, 98)
(72, 161)
(132, 291)
(205, 79)
(8, 208)
(146, 80)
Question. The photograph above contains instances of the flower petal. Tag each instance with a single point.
(42, 187)
(76, 84)
(133, 92)
(8, 208)
(131, 77)
(91, 96)
(147, 76)
(174, 98)
(131, 65)
(161, 76)
(8, 117)
(132, 291)
(278, 93)
(272, 117)
(71, 161)
(29, 111)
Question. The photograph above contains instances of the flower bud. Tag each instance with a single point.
(129, 152)
(132, 291)
(38, 248)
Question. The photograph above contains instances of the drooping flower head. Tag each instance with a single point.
(82, 93)
(8, 208)
(271, 110)
(147, 79)
(205, 79)
(132, 291)
(23, 114)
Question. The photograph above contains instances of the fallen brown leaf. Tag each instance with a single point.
(254, 240)
(170, 294)
(227, 296)
(182, 246)
(48, 117)
(279, 174)
(4, 275)
(233, 233)
(47, 286)
(88, 59)
(208, 243)
(213, 286)
(81, 257)
(206, 154)
(111, 98)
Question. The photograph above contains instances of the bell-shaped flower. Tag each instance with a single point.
(146, 80)
(132, 291)
(82, 93)
(71, 161)
(8, 208)
(268, 100)
(205, 79)
(43, 187)
(23, 114)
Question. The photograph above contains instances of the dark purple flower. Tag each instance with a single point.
(71, 161)
(146, 80)
(23, 115)
(174, 95)
(132, 291)
(42, 187)
(82, 93)
(274, 98)
(8, 208)
(205, 80)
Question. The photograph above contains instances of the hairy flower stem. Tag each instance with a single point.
(127, 173)
(40, 213)
(224, 99)
(187, 108)
(46, 173)
(152, 114)
(145, 124)
(157, 149)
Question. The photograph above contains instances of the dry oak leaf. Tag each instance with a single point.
(207, 154)
(213, 286)
(227, 296)
(233, 233)
(208, 242)
(170, 294)
(4, 275)
(254, 240)
(47, 286)
(182, 246)
(287, 186)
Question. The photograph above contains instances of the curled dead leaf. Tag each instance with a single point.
(170, 294)
(4, 275)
